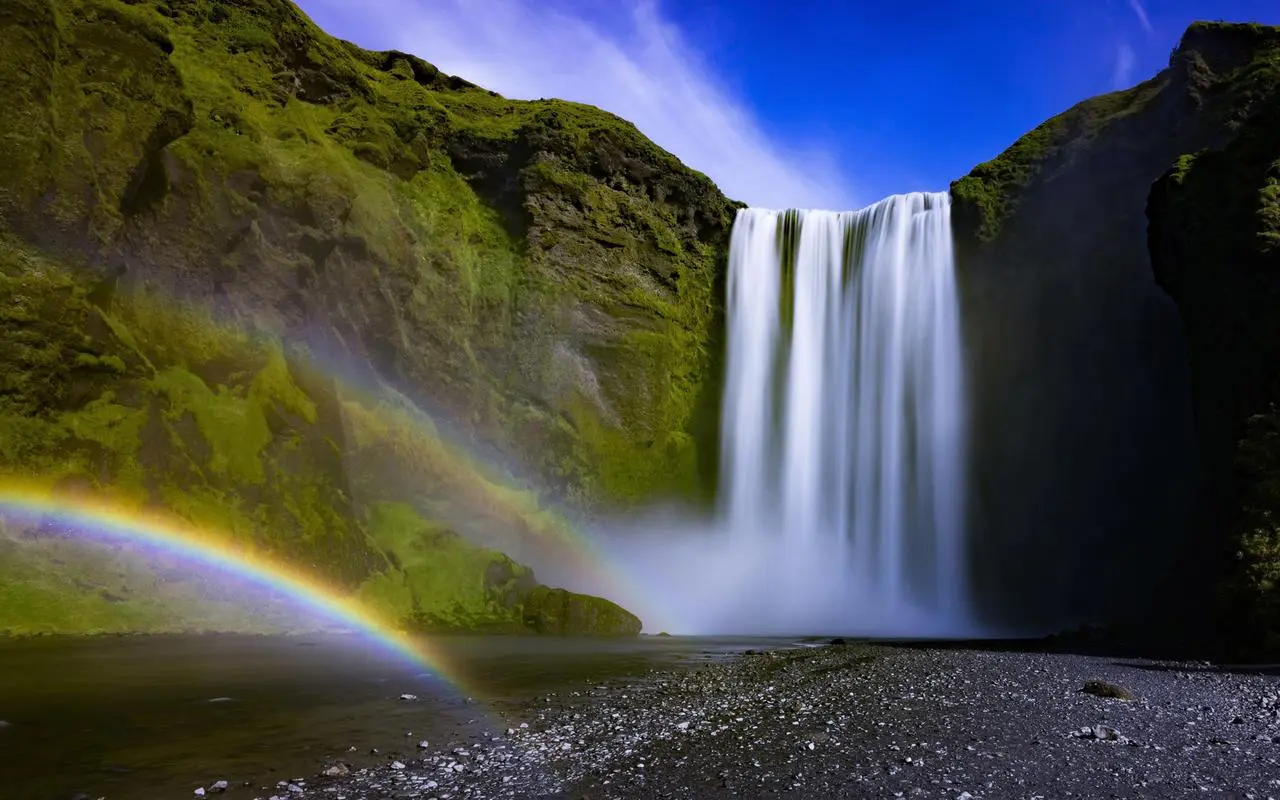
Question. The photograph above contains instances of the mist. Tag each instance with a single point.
(843, 440)
(689, 573)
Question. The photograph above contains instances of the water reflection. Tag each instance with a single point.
(156, 716)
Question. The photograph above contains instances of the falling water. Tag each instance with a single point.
(843, 422)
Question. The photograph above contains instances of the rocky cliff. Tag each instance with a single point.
(1092, 499)
(539, 272)
(1214, 231)
(239, 254)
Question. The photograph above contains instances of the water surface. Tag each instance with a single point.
(155, 717)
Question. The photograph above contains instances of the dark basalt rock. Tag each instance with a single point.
(1107, 689)
(1084, 460)
(1215, 243)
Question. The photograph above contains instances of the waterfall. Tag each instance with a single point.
(843, 427)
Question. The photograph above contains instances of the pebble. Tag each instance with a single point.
(861, 720)
(1101, 733)
(1107, 689)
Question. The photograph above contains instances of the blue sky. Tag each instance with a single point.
(806, 103)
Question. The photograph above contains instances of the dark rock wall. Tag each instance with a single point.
(1215, 244)
(1087, 482)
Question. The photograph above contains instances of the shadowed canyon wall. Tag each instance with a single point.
(1215, 244)
(1089, 486)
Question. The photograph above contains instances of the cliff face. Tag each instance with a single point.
(539, 272)
(210, 210)
(1085, 454)
(151, 409)
(1215, 244)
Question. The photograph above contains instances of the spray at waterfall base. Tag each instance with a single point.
(843, 438)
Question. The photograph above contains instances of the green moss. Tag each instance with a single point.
(481, 221)
(993, 188)
(155, 331)
(274, 384)
(445, 239)
(234, 426)
(53, 585)
(437, 581)
(1269, 210)
(207, 451)
(398, 452)
(85, 78)
(991, 193)
(1182, 167)
(1251, 593)
(560, 612)
(623, 470)
(1213, 224)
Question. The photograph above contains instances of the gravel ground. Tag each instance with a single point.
(863, 721)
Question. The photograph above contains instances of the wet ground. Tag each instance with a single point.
(869, 721)
(651, 718)
(157, 717)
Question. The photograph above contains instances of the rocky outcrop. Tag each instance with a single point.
(1215, 245)
(1088, 484)
(239, 255)
(152, 410)
(539, 273)
(556, 611)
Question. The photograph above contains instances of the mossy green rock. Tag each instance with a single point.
(538, 272)
(1084, 455)
(155, 410)
(212, 210)
(447, 583)
(1215, 245)
(556, 611)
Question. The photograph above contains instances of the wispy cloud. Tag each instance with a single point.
(1141, 12)
(1122, 74)
(636, 64)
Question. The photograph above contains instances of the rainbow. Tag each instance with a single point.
(192, 543)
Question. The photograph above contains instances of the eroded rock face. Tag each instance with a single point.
(563, 613)
(1215, 246)
(219, 226)
(1086, 476)
(540, 273)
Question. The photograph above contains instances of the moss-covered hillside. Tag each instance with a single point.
(1085, 455)
(211, 209)
(1218, 77)
(539, 273)
(127, 401)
